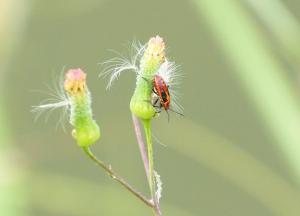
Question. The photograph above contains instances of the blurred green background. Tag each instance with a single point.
(236, 151)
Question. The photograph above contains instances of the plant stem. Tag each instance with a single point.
(116, 177)
(141, 143)
(151, 180)
(147, 128)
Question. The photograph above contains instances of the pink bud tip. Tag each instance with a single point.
(75, 81)
(75, 74)
(156, 48)
(156, 41)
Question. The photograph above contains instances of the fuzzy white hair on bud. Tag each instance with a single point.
(57, 99)
(114, 67)
(158, 186)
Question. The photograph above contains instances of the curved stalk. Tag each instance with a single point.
(141, 143)
(108, 169)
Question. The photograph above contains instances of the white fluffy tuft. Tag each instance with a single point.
(57, 99)
(114, 67)
(158, 186)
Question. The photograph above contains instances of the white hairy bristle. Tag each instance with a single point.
(114, 67)
(57, 99)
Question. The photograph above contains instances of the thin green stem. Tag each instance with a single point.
(151, 179)
(116, 177)
(147, 128)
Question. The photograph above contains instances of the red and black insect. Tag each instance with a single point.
(161, 89)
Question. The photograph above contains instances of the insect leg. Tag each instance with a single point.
(147, 80)
(155, 92)
(155, 102)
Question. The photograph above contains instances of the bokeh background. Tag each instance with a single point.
(235, 152)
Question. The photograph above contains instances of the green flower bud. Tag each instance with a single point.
(153, 58)
(86, 131)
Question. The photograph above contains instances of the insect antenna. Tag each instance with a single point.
(176, 112)
(168, 116)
